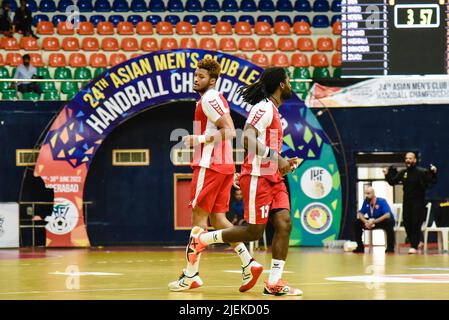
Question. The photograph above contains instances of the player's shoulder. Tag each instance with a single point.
(212, 94)
(263, 105)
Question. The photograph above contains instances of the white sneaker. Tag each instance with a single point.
(250, 275)
(185, 283)
(412, 251)
(281, 288)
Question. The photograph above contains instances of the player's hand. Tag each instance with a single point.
(236, 181)
(190, 141)
(368, 225)
(294, 164)
(283, 165)
(433, 168)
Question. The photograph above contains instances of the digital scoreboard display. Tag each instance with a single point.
(394, 37)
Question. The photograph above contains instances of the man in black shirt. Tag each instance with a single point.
(415, 181)
(23, 20)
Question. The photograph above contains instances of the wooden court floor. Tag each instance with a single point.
(143, 273)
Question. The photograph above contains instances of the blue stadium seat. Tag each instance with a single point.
(13, 5)
(249, 19)
(265, 18)
(115, 19)
(230, 6)
(336, 6)
(211, 19)
(284, 6)
(96, 18)
(335, 18)
(156, 6)
(175, 6)
(266, 5)
(154, 19)
(40, 17)
(32, 5)
(193, 6)
(321, 6)
(303, 6)
(192, 19)
(134, 19)
(85, 5)
(248, 6)
(82, 18)
(211, 6)
(320, 21)
(301, 18)
(120, 6)
(228, 18)
(57, 18)
(102, 6)
(138, 6)
(173, 19)
(283, 19)
(47, 6)
(63, 4)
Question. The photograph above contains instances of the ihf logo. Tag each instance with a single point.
(316, 182)
(2, 221)
(64, 217)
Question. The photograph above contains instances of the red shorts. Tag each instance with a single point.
(210, 190)
(260, 196)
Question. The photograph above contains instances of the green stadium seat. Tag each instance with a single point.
(43, 72)
(70, 95)
(337, 73)
(4, 86)
(9, 95)
(301, 73)
(321, 72)
(4, 74)
(83, 74)
(69, 86)
(63, 73)
(98, 72)
(52, 96)
(30, 96)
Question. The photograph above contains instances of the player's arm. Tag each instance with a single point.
(226, 131)
(392, 176)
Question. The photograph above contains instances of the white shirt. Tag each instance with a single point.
(23, 72)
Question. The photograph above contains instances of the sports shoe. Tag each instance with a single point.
(281, 288)
(359, 249)
(412, 251)
(195, 246)
(185, 283)
(250, 275)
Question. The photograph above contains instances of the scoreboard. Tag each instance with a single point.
(394, 37)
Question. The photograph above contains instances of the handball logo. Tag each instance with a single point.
(316, 182)
(316, 218)
(2, 221)
(64, 217)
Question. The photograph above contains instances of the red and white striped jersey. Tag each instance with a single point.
(215, 156)
(264, 116)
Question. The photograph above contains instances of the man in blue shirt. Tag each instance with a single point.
(374, 214)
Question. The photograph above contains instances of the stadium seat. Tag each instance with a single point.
(230, 6)
(336, 28)
(83, 74)
(223, 28)
(286, 44)
(260, 59)
(62, 73)
(98, 60)
(102, 6)
(71, 95)
(2, 62)
(301, 28)
(10, 44)
(99, 71)
(211, 6)
(262, 29)
(39, 17)
(105, 28)
(43, 72)
(52, 95)
(320, 21)
(36, 60)
(188, 43)
(229, 19)
(300, 18)
(184, 28)
(336, 6)
(299, 60)
(282, 28)
(211, 19)
(243, 28)
(302, 6)
(57, 18)
(305, 44)
(120, 6)
(320, 64)
(138, 6)
(129, 44)
(284, 6)
(283, 18)
(321, 6)
(70, 44)
(302, 72)
(149, 45)
(110, 44)
(116, 19)
(30, 96)
(144, 28)
(265, 18)
(337, 73)
(247, 18)
(156, 6)
(164, 28)
(243, 56)
(50, 44)
(125, 28)
(47, 6)
(154, 19)
(63, 4)
(335, 19)
(338, 44)
(9, 94)
(192, 19)
(247, 44)
(69, 86)
(13, 5)
(193, 6)
(90, 44)
(228, 45)
(175, 6)
(77, 60)
(85, 5)
(169, 44)
(208, 44)
(203, 28)
(336, 60)
(65, 29)
(57, 60)
(32, 5)
(45, 27)
(96, 19)
(173, 19)
(116, 58)
(266, 6)
(280, 60)
(267, 44)
(248, 6)
(4, 73)
(85, 28)
(134, 19)
(325, 44)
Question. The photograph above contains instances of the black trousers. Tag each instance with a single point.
(29, 87)
(414, 214)
(386, 225)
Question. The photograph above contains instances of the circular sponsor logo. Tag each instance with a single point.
(316, 218)
(316, 182)
(64, 217)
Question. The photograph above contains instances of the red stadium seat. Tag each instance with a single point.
(203, 28)
(50, 44)
(86, 28)
(109, 44)
(57, 60)
(117, 58)
(260, 59)
(280, 60)
(105, 28)
(64, 29)
(338, 44)
(144, 28)
(10, 44)
(13, 59)
(188, 43)
(223, 28)
(164, 28)
(300, 60)
(320, 60)
(305, 44)
(302, 28)
(2, 62)
(228, 45)
(243, 28)
(90, 44)
(29, 44)
(241, 56)
(336, 28)
(125, 28)
(36, 60)
(262, 28)
(169, 44)
(98, 60)
(282, 28)
(336, 60)
(70, 44)
(286, 44)
(149, 45)
(208, 44)
(45, 27)
(325, 44)
(184, 28)
(267, 44)
(247, 44)
(130, 44)
(77, 60)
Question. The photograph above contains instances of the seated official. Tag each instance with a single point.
(26, 71)
(374, 214)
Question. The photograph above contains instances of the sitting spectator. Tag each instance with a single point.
(6, 19)
(26, 71)
(236, 212)
(23, 20)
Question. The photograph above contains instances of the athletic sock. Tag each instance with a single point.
(243, 254)
(192, 269)
(277, 267)
(212, 237)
